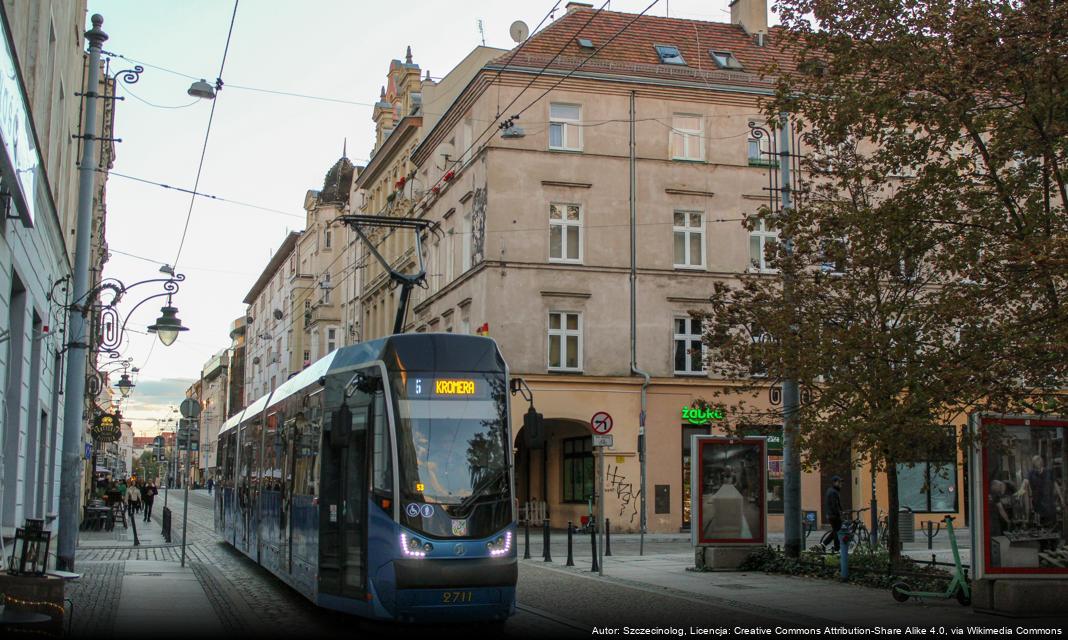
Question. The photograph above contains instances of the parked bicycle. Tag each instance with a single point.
(859, 537)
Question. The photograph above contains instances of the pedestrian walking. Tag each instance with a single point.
(211, 483)
(133, 499)
(148, 497)
(832, 508)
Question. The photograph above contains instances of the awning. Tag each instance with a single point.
(103, 470)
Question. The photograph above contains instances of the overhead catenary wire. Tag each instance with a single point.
(207, 136)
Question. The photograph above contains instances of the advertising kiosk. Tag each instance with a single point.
(1020, 532)
(729, 492)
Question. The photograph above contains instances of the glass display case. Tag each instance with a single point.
(1020, 495)
(729, 486)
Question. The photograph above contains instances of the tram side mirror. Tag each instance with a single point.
(341, 427)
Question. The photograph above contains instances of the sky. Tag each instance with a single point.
(264, 149)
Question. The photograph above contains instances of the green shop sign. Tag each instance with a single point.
(701, 416)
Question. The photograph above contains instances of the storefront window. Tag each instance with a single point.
(929, 484)
(1024, 477)
(687, 435)
(775, 476)
(578, 469)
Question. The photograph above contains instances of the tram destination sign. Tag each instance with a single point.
(451, 387)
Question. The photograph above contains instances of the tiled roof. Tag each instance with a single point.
(633, 52)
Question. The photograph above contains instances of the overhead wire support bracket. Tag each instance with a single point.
(407, 281)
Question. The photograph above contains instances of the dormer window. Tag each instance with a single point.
(725, 60)
(585, 43)
(669, 55)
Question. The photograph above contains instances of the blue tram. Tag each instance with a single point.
(378, 481)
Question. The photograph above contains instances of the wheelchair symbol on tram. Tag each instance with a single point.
(412, 510)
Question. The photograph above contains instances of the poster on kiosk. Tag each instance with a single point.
(1019, 496)
(729, 491)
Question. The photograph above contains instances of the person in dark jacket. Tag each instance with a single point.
(832, 508)
(149, 496)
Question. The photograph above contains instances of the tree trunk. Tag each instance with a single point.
(893, 538)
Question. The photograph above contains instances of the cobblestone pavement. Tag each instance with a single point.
(95, 597)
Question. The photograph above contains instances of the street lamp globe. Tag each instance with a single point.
(201, 89)
(125, 385)
(168, 325)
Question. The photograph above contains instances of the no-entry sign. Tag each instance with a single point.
(601, 422)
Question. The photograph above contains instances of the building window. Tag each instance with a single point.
(758, 151)
(725, 60)
(331, 339)
(687, 137)
(292, 265)
(465, 320)
(759, 239)
(327, 239)
(565, 233)
(565, 341)
(689, 351)
(325, 286)
(669, 54)
(469, 141)
(689, 239)
(565, 132)
(578, 469)
(758, 363)
(928, 484)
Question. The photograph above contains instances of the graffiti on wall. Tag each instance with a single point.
(616, 482)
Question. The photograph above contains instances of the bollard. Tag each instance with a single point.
(545, 541)
(931, 532)
(526, 543)
(570, 552)
(593, 543)
(843, 543)
(607, 537)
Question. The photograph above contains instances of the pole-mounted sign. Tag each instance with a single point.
(601, 423)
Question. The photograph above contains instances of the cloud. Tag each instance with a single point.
(154, 399)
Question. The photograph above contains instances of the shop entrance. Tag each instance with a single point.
(688, 432)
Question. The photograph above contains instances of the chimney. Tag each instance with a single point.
(752, 15)
(575, 6)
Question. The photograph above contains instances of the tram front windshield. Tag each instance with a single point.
(452, 441)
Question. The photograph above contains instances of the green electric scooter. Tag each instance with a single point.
(957, 587)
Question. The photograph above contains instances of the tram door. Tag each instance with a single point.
(343, 505)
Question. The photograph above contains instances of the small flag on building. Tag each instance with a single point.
(483, 330)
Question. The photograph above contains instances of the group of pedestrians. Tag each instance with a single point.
(136, 496)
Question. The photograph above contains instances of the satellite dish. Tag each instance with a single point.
(519, 31)
(278, 314)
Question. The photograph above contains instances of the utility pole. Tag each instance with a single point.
(77, 337)
(791, 400)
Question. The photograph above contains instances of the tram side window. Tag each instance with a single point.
(272, 471)
(382, 458)
(306, 449)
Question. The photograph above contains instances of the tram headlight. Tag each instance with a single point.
(500, 546)
(413, 548)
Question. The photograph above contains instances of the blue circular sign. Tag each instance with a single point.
(412, 510)
(427, 510)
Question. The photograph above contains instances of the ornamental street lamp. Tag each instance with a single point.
(168, 325)
(125, 386)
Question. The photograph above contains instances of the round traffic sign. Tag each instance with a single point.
(190, 408)
(601, 422)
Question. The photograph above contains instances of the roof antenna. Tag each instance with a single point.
(345, 148)
(482, 32)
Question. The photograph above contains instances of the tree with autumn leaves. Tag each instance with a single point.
(929, 238)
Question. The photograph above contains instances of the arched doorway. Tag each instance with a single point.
(555, 470)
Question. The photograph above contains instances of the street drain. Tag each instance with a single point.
(735, 585)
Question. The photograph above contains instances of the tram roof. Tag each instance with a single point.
(407, 351)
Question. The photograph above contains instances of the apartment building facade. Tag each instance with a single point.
(532, 244)
(268, 362)
(44, 68)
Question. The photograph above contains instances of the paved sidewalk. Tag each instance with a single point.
(129, 591)
(794, 597)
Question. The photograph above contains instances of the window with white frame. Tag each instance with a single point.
(689, 350)
(565, 341)
(759, 239)
(331, 339)
(465, 320)
(565, 232)
(689, 231)
(325, 286)
(758, 152)
(687, 137)
(469, 139)
(565, 132)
